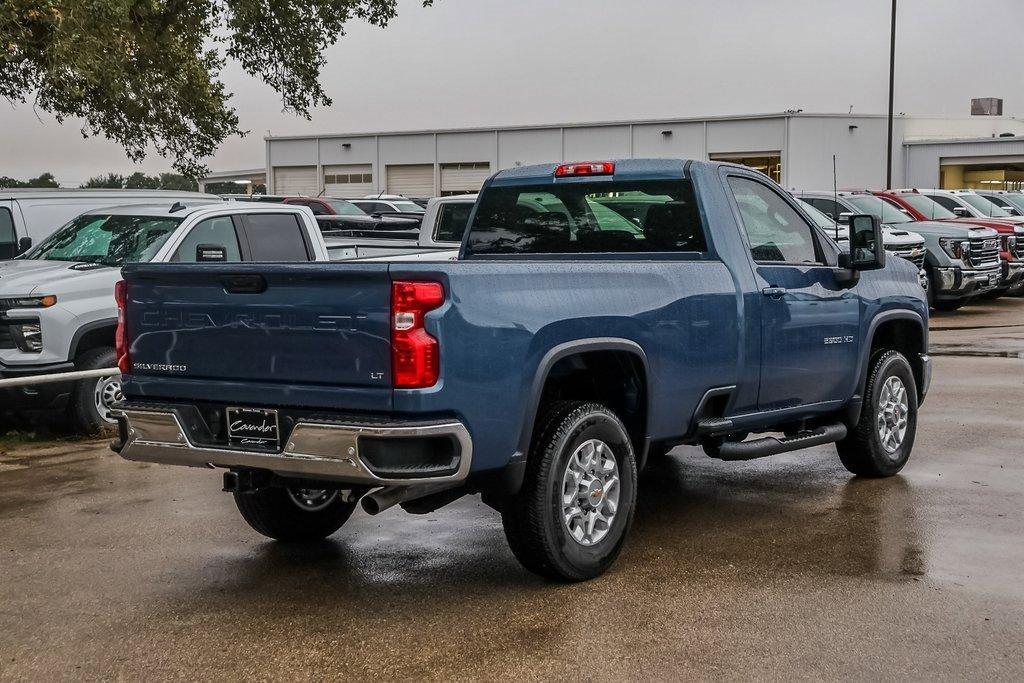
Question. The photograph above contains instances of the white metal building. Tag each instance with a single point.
(794, 148)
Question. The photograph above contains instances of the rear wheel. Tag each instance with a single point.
(294, 514)
(570, 518)
(880, 444)
(92, 399)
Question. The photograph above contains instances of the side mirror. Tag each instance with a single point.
(961, 212)
(844, 218)
(211, 253)
(867, 251)
(24, 244)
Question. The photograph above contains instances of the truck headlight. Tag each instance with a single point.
(28, 336)
(958, 249)
(44, 301)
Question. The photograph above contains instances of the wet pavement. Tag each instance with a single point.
(771, 569)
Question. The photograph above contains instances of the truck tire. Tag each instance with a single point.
(89, 405)
(571, 516)
(880, 444)
(294, 515)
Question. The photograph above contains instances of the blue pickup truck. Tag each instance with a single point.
(599, 314)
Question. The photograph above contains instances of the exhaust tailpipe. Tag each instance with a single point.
(390, 496)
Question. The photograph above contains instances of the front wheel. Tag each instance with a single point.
(92, 399)
(294, 515)
(570, 518)
(880, 444)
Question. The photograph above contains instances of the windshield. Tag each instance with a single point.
(343, 208)
(408, 207)
(107, 240)
(931, 209)
(983, 205)
(821, 220)
(884, 211)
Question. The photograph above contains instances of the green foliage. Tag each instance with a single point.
(111, 181)
(141, 181)
(147, 73)
(44, 180)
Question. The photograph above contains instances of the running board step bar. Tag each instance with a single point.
(770, 445)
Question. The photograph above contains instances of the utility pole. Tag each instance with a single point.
(892, 81)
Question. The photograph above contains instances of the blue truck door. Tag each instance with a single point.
(809, 325)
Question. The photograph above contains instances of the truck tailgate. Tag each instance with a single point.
(305, 334)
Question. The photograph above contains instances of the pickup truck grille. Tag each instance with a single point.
(909, 254)
(984, 252)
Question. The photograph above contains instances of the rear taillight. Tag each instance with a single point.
(415, 355)
(585, 169)
(124, 363)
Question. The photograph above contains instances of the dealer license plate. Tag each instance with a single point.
(253, 428)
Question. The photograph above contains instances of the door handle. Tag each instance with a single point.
(774, 292)
(244, 284)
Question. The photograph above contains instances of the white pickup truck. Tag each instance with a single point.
(438, 238)
(57, 309)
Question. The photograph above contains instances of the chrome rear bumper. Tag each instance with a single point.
(313, 450)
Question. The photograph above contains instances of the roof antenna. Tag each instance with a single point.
(177, 206)
(835, 196)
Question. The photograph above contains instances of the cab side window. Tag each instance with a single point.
(775, 231)
(219, 230)
(8, 240)
(827, 206)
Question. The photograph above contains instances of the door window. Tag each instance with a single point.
(945, 201)
(829, 207)
(219, 230)
(275, 237)
(775, 230)
(8, 240)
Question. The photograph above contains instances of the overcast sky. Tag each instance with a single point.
(497, 62)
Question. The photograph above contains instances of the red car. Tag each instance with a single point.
(326, 206)
(921, 207)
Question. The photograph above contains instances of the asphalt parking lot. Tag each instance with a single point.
(771, 569)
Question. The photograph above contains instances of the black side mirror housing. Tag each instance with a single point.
(24, 244)
(867, 252)
(211, 253)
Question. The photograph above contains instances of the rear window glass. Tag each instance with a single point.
(588, 217)
(275, 237)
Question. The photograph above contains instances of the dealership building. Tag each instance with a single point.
(794, 148)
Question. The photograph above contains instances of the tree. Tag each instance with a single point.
(43, 180)
(147, 73)
(111, 181)
(141, 181)
(175, 181)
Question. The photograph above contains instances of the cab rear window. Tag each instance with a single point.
(588, 217)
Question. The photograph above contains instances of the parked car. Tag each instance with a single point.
(326, 206)
(541, 368)
(902, 243)
(30, 216)
(962, 261)
(57, 310)
(440, 229)
(919, 206)
(387, 203)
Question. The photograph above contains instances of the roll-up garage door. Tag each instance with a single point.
(295, 180)
(465, 178)
(350, 181)
(414, 180)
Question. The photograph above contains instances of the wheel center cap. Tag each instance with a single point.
(595, 493)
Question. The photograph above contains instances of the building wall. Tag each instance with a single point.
(924, 160)
(805, 142)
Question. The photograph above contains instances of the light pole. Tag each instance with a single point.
(892, 80)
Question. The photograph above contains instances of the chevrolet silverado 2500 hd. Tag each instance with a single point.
(598, 313)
